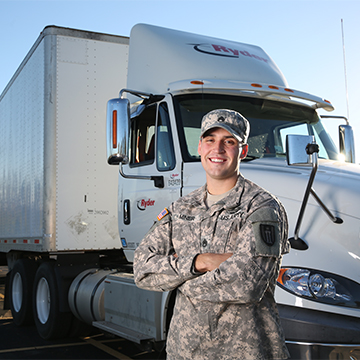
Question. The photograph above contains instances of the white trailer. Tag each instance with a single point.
(58, 197)
(168, 80)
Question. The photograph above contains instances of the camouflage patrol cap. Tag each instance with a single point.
(230, 120)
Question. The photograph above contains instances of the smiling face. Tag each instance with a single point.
(220, 156)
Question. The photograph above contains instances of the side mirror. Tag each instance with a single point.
(296, 153)
(346, 143)
(117, 131)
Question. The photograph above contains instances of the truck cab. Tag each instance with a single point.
(153, 135)
(175, 165)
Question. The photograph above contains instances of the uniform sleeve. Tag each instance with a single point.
(250, 271)
(155, 266)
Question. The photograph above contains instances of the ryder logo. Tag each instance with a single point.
(142, 204)
(220, 50)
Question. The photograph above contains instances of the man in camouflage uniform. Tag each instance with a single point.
(220, 248)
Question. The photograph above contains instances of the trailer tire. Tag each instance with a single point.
(49, 321)
(21, 287)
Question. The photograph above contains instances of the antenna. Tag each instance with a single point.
(346, 87)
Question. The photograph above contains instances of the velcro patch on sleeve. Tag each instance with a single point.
(165, 216)
(162, 214)
(266, 229)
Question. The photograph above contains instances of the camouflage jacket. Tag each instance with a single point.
(230, 312)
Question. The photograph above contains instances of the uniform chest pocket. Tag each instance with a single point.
(185, 236)
(225, 238)
(227, 230)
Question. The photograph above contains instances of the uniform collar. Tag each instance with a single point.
(230, 201)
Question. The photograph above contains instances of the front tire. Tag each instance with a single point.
(21, 287)
(49, 321)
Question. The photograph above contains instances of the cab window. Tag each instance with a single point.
(165, 158)
(143, 137)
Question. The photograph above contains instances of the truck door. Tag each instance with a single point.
(151, 154)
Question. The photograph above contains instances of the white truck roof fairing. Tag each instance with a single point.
(254, 89)
(159, 56)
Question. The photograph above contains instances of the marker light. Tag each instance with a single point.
(197, 82)
(114, 129)
(256, 85)
(320, 286)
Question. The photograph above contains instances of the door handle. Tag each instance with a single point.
(127, 212)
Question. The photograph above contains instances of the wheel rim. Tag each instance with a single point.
(43, 300)
(17, 292)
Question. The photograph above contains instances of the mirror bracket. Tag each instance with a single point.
(295, 156)
(158, 180)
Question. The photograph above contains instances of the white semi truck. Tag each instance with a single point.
(72, 213)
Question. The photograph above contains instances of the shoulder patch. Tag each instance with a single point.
(267, 233)
(163, 218)
(266, 228)
(162, 214)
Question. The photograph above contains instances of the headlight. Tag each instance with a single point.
(320, 286)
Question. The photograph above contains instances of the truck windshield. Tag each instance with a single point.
(270, 122)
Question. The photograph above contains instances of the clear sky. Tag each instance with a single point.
(304, 37)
